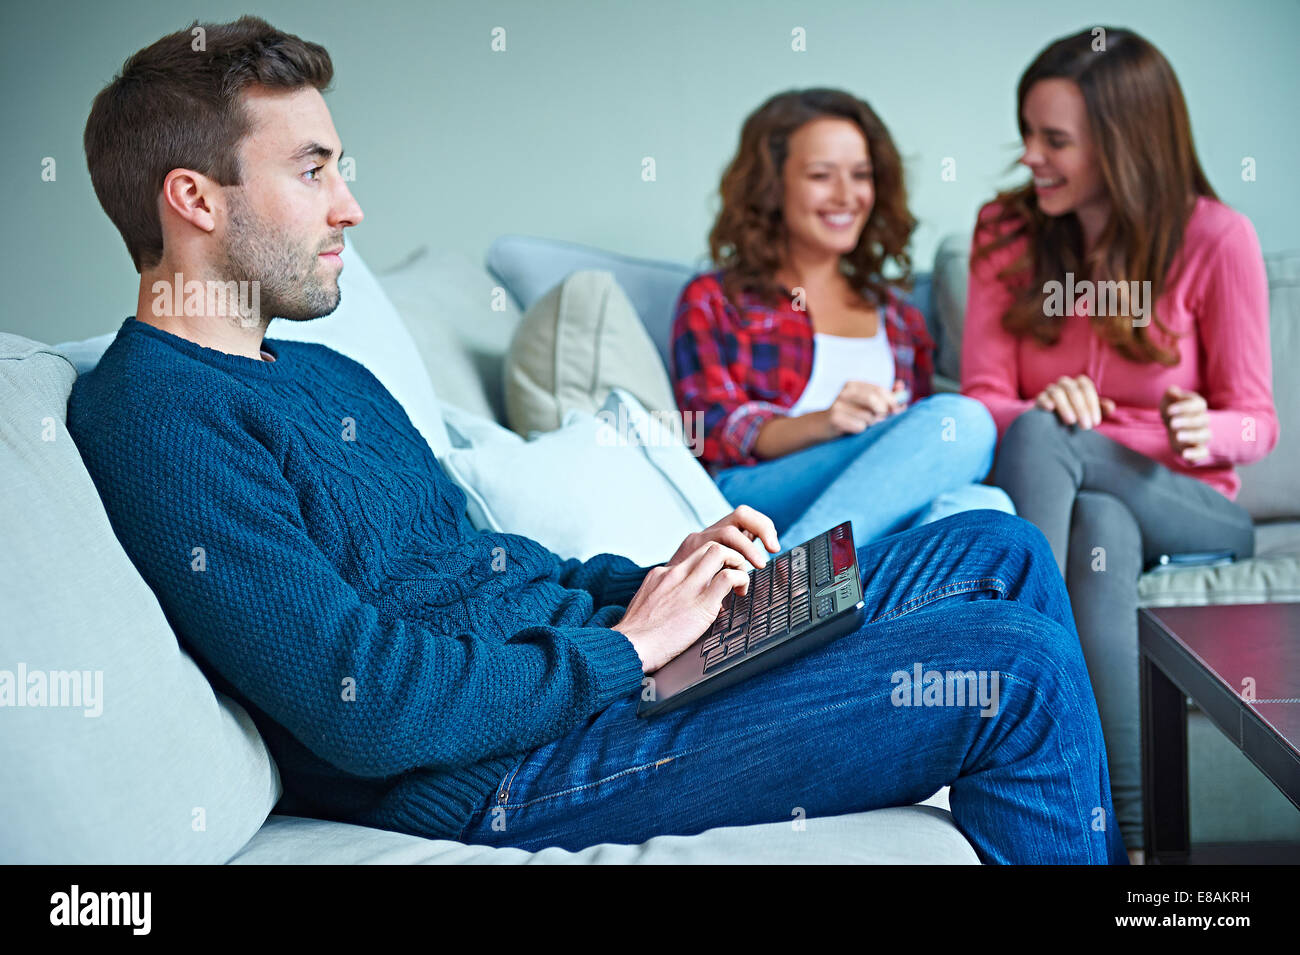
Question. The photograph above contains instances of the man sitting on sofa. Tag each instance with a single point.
(412, 674)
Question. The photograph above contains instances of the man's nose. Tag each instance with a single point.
(347, 209)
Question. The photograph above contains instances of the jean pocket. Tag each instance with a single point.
(499, 797)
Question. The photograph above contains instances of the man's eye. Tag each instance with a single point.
(311, 173)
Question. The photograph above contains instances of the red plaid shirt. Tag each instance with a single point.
(742, 366)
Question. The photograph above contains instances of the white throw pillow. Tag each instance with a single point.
(594, 486)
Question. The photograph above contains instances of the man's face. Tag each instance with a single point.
(284, 223)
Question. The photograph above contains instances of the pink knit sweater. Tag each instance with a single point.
(1219, 305)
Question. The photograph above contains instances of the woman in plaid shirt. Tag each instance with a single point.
(801, 357)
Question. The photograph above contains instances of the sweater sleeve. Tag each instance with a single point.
(989, 366)
(609, 578)
(372, 695)
(1233, 326)
(703, 383)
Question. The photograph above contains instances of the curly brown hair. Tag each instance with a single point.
(749, 235)
(1148, 163)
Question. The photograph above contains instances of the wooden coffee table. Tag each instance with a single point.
(1241, 665)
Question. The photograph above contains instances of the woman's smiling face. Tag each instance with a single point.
(1060, 152)
(829, 187)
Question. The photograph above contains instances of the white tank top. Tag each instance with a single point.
(838, 360)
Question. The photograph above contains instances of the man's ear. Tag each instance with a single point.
(192, 196)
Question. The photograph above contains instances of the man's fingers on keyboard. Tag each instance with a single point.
(725, 581)
(757, 523)
(711, 558)
(738, 540)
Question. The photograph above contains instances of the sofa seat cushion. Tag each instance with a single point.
(128, 755)
(1255, 581)
(922, 835)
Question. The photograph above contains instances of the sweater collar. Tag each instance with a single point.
(234, 364)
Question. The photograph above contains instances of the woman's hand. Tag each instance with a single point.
(858, 406)
(1187, 419)
(1075, 401)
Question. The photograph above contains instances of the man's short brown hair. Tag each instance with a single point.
(176, 105)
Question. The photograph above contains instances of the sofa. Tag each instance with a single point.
(170, 770)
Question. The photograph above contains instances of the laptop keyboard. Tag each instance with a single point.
(779, 601)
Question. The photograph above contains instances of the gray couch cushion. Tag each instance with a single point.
(1269, 488)
(948, 294)
(530, 267)
(911, 834)
(1255, 581)
(167, 770)
(462, 322)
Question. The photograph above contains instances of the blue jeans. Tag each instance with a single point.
(826, 733)
(913, 468)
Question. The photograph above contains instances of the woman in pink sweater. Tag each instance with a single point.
(1117, 331)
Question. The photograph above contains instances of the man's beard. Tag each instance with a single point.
(291, 282)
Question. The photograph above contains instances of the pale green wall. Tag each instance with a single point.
(456, 145)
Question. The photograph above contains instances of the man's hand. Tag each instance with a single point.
(1075, 401)
(675, 604)
(741, 530)
(1186, 417)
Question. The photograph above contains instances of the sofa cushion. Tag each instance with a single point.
(461, 320)
(153, 766)
(919, 835)
(948, 294)
(1255, 581)
(1269, 488)
(590, 487)
(530, 267)
(575, 344)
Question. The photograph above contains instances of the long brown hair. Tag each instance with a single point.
(750, 234)
(1148, 163)
(177, 105)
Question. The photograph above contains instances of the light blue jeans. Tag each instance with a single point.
(838, 731)
(916, 467)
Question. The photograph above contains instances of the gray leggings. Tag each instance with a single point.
(1107, 511)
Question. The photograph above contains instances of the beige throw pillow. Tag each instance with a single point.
(577, 342)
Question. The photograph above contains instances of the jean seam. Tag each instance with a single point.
(947, 590)
(1074, 792)
(655, 764)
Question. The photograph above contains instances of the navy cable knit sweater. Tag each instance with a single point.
(314, 558)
